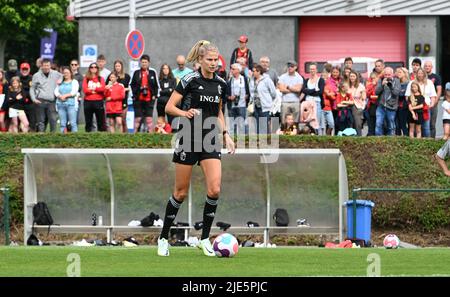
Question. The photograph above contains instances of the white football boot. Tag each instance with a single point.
(163, 247)
(207, 248)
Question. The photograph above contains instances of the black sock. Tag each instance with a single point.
(173, 205)
(209, 213)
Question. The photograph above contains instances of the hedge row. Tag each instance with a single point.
(397, 162)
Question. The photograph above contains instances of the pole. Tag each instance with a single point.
(132, 17)
(6, 214)
(132, 26)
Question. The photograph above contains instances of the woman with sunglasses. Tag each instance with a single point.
(94, 88)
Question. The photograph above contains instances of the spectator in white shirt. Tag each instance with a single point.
(290, 85)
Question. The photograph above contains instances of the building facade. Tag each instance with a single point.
(307, 31)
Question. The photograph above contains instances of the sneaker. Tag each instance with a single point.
(163, 247)
(207, 248)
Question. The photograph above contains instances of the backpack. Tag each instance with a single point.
(148, 220)
(41, 215)
(33, 240)
(281, 217)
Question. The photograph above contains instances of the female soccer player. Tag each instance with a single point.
(199, 95)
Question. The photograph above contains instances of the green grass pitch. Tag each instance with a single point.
(190, 262)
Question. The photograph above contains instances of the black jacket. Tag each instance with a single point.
(152, 80)
(313, 92)
(26, 82)
(167, 87)
(15, 103)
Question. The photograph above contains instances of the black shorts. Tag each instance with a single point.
(143, 108)
(161, 106)
(113, 115)
(190, 158)
(446, 121)
(419, 120)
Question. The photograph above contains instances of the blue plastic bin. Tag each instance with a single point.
(363, 219)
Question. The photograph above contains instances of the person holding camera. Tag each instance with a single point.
(145, 88)
(238, 90)
(388, 91)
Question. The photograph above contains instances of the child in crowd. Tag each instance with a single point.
(16, 103)
(115, 93)
(162, 126)
(344, 103)
(308, 116)
(415, 105)
(289, 127)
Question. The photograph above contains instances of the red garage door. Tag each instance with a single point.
(324, 39)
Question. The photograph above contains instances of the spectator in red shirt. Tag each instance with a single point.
(344, 103)
(114, 93)
(372, 102)
(93, 89)
(329, 95)
(124, 79)
(242, 51)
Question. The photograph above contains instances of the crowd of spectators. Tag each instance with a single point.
(388, 101)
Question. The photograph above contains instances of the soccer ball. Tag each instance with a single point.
(391, 241)
(225, 245)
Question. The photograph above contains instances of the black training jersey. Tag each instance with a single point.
(205, 95)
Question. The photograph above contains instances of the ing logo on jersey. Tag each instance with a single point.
(212, 99)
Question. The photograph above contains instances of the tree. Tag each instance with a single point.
(24, 21)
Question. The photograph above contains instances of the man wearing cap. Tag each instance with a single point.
(12, 70)
(42, 93)
(290, 85)
(25, 79)
(242, 51)
(25, 76)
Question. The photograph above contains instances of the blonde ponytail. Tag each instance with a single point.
(200, 49)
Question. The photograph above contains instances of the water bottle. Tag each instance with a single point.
(100, 220)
